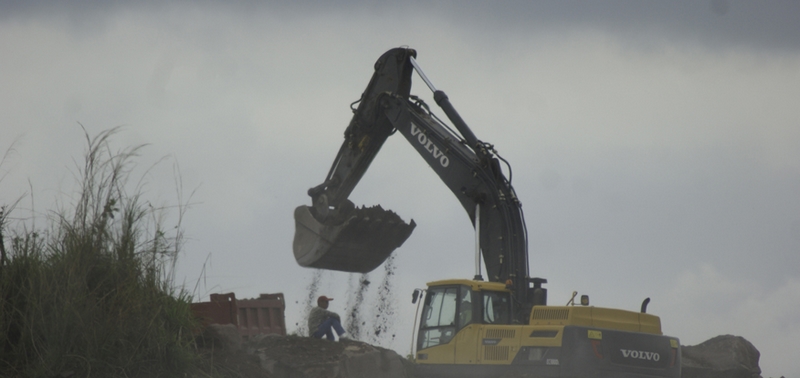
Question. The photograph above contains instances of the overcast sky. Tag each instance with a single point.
(655, 146)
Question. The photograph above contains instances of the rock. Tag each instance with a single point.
(724, 356)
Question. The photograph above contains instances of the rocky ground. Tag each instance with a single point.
(300, 357)
(274, 356)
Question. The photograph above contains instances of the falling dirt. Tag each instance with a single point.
(385, 306)
(369, 315)
(311, 300)
(355, 322)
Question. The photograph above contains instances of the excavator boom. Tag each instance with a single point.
(334, 234)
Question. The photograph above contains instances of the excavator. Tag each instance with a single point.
(492, 327)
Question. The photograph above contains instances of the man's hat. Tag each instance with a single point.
(323, 298)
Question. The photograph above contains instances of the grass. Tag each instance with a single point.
(90, 294)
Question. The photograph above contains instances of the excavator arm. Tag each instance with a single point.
(333, 234)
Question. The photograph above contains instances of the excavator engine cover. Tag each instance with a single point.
(358, 241)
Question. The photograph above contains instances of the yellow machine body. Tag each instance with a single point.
(577, 338)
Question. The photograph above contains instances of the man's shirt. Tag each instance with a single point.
(317, 316)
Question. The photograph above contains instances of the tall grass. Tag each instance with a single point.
(90, 294)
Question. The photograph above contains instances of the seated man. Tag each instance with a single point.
(323, 322)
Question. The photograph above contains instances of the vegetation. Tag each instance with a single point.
(90, 294)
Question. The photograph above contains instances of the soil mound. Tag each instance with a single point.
(275, 356)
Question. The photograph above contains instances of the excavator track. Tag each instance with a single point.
(358, 241)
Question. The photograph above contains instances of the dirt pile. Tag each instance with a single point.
(273, 356)
(302, 357)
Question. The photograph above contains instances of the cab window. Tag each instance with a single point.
(438, 323)
(466, 307)
(496, 307)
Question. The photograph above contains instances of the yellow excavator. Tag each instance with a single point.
(497, 326)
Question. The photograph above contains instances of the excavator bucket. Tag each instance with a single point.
(360, 243)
